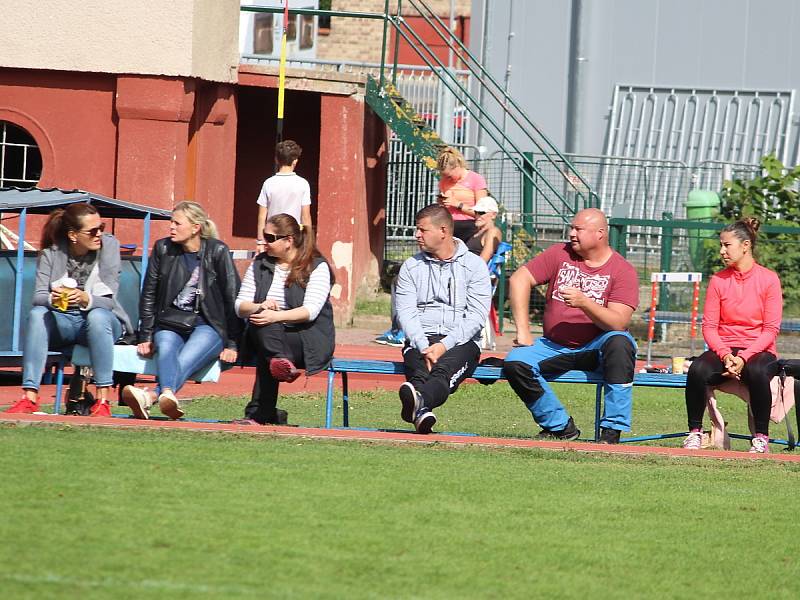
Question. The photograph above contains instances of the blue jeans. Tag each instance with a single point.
(98, 329)
(178, 356)
(546, 356)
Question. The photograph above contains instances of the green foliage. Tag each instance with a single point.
(772, 199)
(767, 197)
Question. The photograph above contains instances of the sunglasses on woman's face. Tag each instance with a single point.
(271, 238)
(94, 231)
(480, 212)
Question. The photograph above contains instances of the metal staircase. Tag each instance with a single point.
(556, 188)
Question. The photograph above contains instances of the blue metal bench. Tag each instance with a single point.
(380, 367)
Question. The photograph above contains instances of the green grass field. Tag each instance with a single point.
(91, 513)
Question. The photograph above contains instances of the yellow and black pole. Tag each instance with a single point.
(282, 74)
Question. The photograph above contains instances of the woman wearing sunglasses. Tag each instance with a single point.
(186, 310)
(74, 302)
(285, 297)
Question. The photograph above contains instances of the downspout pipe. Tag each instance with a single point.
(578, 74)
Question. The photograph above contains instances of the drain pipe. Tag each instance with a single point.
(576, 90)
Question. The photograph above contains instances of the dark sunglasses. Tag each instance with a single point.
(271, 238)
(480, 212)
(94, 231)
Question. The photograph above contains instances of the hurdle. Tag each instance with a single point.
(655, 280)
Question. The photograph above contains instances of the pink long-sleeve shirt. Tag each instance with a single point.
(743, 310)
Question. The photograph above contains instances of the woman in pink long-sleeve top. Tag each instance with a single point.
(741, 320)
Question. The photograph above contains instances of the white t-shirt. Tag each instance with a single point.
(285, 193)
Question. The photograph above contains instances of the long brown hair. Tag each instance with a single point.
(63, 220)
(304, 241)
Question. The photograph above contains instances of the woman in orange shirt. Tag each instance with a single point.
(741, 320)
(459, 191)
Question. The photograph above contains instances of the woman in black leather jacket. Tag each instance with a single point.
(186, 310)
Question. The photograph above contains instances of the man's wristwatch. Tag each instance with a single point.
(259, 242)
(460, 206)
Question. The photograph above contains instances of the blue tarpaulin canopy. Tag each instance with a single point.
(38, 201)
(42, 201)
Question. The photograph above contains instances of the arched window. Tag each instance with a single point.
(20, 158)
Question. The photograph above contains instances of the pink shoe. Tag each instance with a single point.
(282, 369)
(23, 406)
(760, 444)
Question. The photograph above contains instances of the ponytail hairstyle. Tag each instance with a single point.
(745, 230)
(63, 220)
(197, 216)
(449, 158)
(304, 242)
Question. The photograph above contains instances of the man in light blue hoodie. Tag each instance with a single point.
(442, 297)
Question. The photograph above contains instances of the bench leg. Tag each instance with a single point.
(59, 386)
(329, 400)
(598, 400)
(345, 402)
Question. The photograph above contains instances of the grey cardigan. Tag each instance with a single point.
(102, 284)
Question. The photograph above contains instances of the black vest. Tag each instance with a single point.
(318, 336)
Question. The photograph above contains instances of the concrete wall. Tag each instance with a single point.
(189, 38)
(704, 43)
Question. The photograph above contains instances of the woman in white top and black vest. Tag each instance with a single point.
(285, 297)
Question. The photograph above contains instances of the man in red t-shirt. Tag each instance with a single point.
(591, 294)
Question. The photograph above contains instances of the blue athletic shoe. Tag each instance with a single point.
(389, 338)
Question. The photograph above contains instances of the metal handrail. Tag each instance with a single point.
(484, 114)
(507, 99)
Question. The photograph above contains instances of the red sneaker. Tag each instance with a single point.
(100, 409)
(282, 369)
(24, 406)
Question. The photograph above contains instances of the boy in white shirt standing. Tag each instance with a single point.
(285, 192)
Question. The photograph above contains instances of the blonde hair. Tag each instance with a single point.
(197, 216)
(449, 158)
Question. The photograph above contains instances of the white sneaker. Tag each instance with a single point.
(693, 441)
(759, 444)
(137, 400)
(169, 405)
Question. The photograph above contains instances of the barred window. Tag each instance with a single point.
(20, 158)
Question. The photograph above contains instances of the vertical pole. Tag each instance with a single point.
(651, 325)
(666, 256)
(695, 303)
(579, 29)
(527, 193)
(282, 75)
(383, 43)
(145, 249)
(17, 320)
(396, 43)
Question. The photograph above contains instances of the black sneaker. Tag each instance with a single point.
(570, 432)
(424, 420)
(609, 436)
(411, 402)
